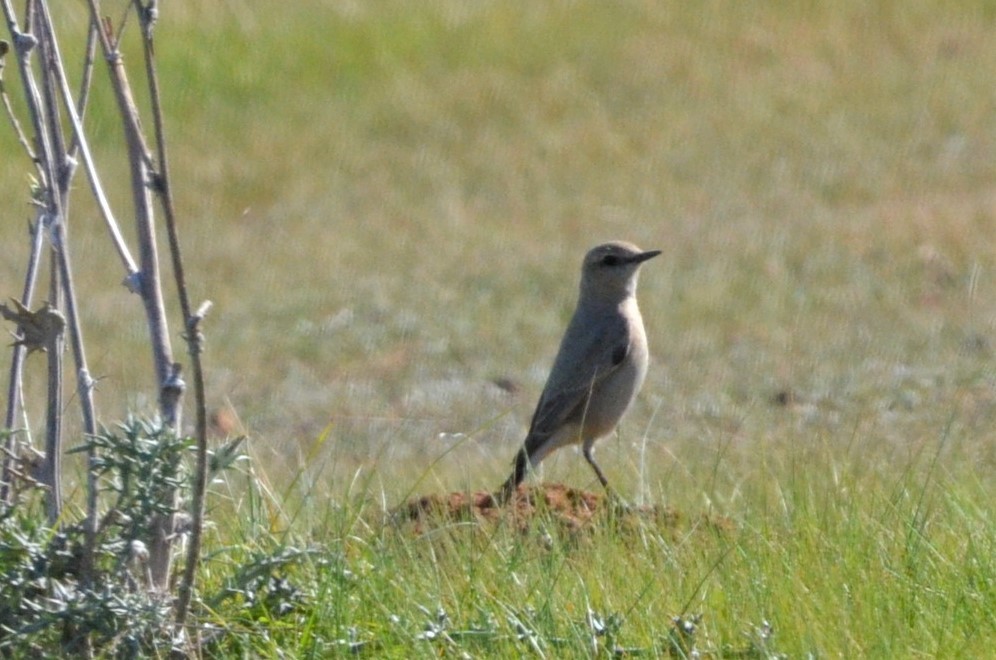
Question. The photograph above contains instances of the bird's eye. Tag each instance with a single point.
(610, 260)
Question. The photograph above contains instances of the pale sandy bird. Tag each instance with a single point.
(600, 366)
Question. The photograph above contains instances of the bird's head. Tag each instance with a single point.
(610, 271)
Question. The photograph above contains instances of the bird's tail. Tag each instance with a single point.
(518, 474)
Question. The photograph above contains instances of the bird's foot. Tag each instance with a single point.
(616, 505)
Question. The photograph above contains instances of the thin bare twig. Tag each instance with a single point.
(57, 172)
(84, 383)
(86, 82)
(23, 44)
(148, 15)
(149, 284)
(51, 472)
(15, 386)
(9, 109)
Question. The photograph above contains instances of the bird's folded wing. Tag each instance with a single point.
(579, 368)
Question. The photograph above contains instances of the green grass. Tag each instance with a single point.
(388, 203)
(840, 553)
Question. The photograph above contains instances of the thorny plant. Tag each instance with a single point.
(53, 134)
(45, 603)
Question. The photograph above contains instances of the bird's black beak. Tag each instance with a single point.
(643, 256)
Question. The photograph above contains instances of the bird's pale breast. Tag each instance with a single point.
(613, 396)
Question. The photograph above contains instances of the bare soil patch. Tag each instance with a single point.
(572, 509)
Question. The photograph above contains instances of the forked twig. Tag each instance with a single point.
(80, 142)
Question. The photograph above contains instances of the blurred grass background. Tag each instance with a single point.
(388, 203)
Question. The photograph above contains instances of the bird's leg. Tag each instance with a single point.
(618, 503)
(598, 471)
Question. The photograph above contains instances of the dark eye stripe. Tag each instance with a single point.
(610, 260)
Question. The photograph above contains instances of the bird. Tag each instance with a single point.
(600, 365)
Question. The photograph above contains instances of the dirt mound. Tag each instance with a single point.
(573, 509)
